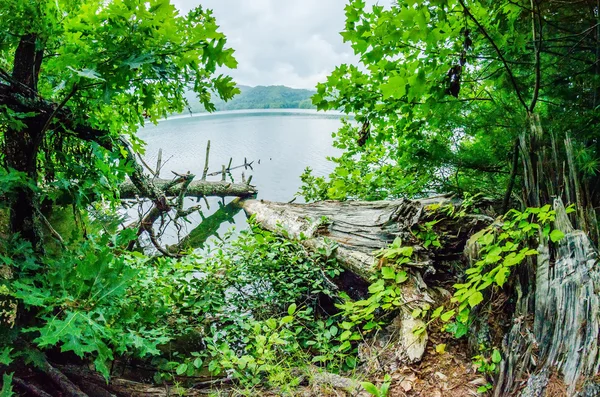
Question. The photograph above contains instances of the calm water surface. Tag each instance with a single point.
(285, 143)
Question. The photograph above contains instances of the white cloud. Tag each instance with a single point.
(289, 42)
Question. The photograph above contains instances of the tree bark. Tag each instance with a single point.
(362, 227)
(556, 319)
(21, 144)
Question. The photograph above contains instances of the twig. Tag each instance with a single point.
(500, 55)
(537, 44)
(186, 212)
(150, 170)
(48, 225)
(59, 107)
(204, 384)
(513, 175)
(245, 165)
(163, 165)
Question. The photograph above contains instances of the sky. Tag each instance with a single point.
(282, 42)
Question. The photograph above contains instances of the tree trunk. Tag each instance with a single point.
(21, 144)
(556, 320)
(359, 228)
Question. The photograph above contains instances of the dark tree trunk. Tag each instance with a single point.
(21, 144)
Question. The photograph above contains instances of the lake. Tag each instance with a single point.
(281, 144)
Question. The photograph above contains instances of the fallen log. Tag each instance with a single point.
(167, 195)
(360, 228)
(128, 388)
(197, 188)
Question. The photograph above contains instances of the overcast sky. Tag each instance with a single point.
(282, 42)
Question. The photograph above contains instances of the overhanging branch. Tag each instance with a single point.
(42, 111)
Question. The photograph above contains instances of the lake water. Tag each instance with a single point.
(285, 143)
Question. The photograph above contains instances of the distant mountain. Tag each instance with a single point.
(260, 97)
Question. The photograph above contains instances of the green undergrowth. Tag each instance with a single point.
(256, 308)
(249, 308)
(499, 250)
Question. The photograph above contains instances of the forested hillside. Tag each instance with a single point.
(260, 97)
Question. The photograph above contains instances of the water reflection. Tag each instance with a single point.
(281, 144)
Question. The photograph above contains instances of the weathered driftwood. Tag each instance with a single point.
(196, 188)
(360, 228)
(167, 195)
(565, 330)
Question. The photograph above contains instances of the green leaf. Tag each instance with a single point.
(394, 88)
(347, 325)
(5, 358)
(475, 299)
(496, 356)
(419, 330)
(388, 273)
(87, 73)
(7, 390)
(333, 330)
(370, 325)
(102, 368)
(436, 313)
(401, 277)
(501, 275)
(486, 239)
(370, 388)
(181, 369)
(556, 235)
(457, 329)
(351, 362)
(376, 287)
(447, 316)
(345, 346)
(292, 309)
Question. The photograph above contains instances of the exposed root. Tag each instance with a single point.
(29, 388)
(69, 388)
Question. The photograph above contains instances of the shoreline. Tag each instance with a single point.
(290, 111)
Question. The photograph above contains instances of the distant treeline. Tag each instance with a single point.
(260, 97)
